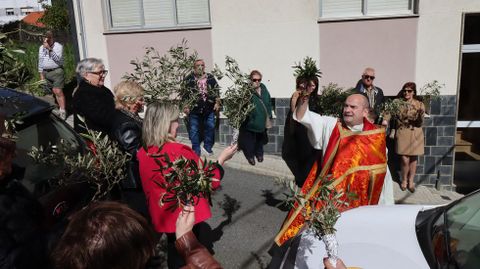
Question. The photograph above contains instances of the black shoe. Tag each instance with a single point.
(251, 161)
(259, 159)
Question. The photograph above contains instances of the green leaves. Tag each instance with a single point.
(185, 180)
(102, 165)
(330, 101)
(56, 16)
(322, 210)
(237, 102)
(307, 70)
(431, 91)
(394, 107)
(13, 73)
(163, 76)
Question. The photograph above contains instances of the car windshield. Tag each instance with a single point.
(45, 131)
(457, 244)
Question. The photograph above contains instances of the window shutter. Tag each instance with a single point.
(388, 7)
(159, 12)
(341, 8)
(125, 13)
(192, 11)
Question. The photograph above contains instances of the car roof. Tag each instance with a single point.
(13, 102)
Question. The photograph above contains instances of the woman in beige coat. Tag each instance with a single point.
(409, 135)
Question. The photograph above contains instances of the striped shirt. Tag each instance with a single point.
(50, 59)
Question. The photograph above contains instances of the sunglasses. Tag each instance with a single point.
(409, 91)
(368, 77)
(100, 73)
(256, 80)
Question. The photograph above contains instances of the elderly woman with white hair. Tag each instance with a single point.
(92, 100)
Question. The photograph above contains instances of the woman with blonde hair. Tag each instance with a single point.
(159, 133)
(129, 96)
(126, 130)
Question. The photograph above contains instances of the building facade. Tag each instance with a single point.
(404, 40)
(15, 10)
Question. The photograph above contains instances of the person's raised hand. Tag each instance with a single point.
(185, 221)
(227, 153)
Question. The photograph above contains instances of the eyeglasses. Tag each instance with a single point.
(256, 79)
(368, 77)
(100, 73)
(409, 91)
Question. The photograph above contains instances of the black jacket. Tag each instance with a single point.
(379, 98)
(201, 106)
(126, 130)
(23, 240)
(96, 105)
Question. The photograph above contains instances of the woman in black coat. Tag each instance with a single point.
(92, 100)
(126, 130)
(297, 152)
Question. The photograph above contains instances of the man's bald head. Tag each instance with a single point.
(355, 109)
(361, 98)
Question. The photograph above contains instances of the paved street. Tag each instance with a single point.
(244, 242)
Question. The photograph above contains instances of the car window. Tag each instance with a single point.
(46, 130)
(463, 222)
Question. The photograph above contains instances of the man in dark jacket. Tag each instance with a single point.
(201, 116)
(374, 95)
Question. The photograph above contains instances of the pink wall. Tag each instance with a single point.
(389, 46)
(122, 48)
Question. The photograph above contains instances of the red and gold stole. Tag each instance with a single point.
(356, 161)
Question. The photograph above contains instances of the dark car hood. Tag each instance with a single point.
(22, 105)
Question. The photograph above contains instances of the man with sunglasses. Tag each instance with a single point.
(374, 95)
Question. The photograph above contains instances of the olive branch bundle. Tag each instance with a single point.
(237, 102)
(393, 107)
(330, 101)
(102, 165)
(321, 211)
(307, 69)
(430, 91)
(163, 76)
(185, 180)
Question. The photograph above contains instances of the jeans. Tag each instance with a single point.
(197, 123)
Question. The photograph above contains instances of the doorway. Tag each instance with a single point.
(467, 140)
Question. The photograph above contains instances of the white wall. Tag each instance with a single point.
(439, 41)
(277, 34)
(21, 3)
(93, 26)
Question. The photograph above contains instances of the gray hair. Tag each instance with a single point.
(156, 125)
(88, 65)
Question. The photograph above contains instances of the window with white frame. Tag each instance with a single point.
(359, 8)
(10, 11)
(145, 14)
(26, 10)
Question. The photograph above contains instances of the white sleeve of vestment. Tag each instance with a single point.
(386, 196)
(319, 128)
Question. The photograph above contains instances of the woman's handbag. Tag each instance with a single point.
(268, 123)
(268, 120)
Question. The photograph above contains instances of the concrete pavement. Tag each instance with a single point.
(274, 166)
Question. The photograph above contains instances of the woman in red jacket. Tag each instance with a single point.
(159, 132)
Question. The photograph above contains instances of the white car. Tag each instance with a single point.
(403, 237)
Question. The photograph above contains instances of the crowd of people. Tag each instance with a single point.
(315, 146)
